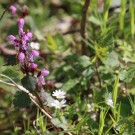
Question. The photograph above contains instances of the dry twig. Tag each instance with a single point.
(83, 25)
(3, 14)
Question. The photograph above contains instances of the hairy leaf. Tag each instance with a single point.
(29, 82)
(21, 100)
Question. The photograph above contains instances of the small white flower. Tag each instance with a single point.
(58, 104)
(93, 116)
(59, 94)
(35, 45)
(90, 107)
(109, 100)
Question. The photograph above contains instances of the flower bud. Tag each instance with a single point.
(13, 9)
(21, 56)
(33, 66)
(41, 80)
(20, 31)
(34, 53)
(45, 72)
(21, 23)
(25, 37)
(11, 38)
(29, 34)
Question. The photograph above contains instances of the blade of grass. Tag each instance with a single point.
(132, 104)
(132, 15)
(115, 95)
(107, 5)
(122, 14)
(101, 122)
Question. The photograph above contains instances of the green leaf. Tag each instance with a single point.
(125, 126)
(62, 123)
(12, 29)
(29, 83)
(108, 78)
(71, 83)
(126, 109)
(61, 42)
(11, 72)
(84, 61)
(11, 60)
(71, 58)
(88, 73)
(95, 20)
(51, 44)
(122, 74)
(21, 100)
(99, 95)
(127, 75)
(101, 52)
(112, 60)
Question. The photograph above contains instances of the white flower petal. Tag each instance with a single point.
(35, 45)
(90, 107)
(58, 104)
(109, 100)
(59, 94)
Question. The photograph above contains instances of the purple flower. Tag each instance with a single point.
(44, 72)
(24, 47)
(33, 65)
(25, 37)
(41, 80)
(34, 53)
(26, 54)
(20, 31)
(21, 56)
(21, 23)
(13, 9)
(16, 45)
(11, 38)
(30, 58)
(29, 34)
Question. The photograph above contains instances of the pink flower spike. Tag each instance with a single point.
(29, 34)
(21, 23)
(45, 72)
(13, 9)
(33, 65)
(21, 56)
(11, 38)
(34, 53)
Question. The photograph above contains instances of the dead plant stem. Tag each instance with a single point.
(83, 26)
